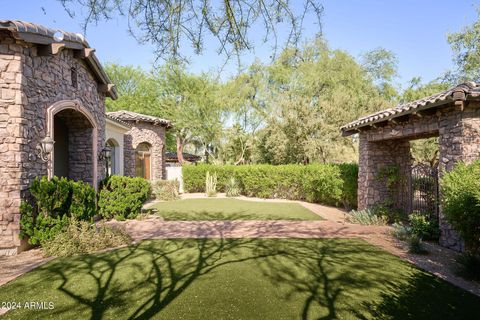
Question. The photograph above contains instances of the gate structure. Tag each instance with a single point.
(424, 190)
(384, 141)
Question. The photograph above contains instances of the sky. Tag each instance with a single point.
(415, 30)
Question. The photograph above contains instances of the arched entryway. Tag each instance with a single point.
(143, 163)
(113, 158)
(74, 131)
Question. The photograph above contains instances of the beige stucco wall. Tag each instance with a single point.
(117, 132)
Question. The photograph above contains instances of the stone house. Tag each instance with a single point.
(52, 114)
(141, 153)
(453, 116)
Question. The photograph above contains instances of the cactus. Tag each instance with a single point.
(211, 184)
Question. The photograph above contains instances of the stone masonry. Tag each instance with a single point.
(458, 129)
(29, 84)
(152, 134)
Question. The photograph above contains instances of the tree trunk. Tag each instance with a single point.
(180, 144)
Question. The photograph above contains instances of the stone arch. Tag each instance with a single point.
(76, 106)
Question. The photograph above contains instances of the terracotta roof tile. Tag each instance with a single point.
(130, 116)
(470, 89)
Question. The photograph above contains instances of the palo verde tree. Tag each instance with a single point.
(168, 25)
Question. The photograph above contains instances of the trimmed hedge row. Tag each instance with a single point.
(331, 184)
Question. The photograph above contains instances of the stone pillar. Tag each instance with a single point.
(375, 155)
(459, 141)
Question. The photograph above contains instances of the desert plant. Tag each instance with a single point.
(401, 231)
(211, 184)
(468, 266)
(415, 245)
(166, 190)
(80, 237)
(123, 197)
(365, 217)
(232, 188)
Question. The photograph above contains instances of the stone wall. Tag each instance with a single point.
(459, 140)
(29, 84)
(375, 158)
(153, 135)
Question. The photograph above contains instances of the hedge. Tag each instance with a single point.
(330, 184)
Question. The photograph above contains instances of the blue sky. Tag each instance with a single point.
(415, 30)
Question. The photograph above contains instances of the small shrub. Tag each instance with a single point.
(211, 184)
(423, 227)
(391, 214)
(415, 245)
(53, 203)
(123, 197)
(401, 231)
(468, 266)
(80, 237)
(461, 202)
(365, 217)
(232, 188)
(166, 190)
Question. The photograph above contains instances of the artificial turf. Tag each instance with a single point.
(232, 209)
(239, 279)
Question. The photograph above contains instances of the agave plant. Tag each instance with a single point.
(232, 188)
(365, 217)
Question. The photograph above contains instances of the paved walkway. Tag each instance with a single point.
(439, 261)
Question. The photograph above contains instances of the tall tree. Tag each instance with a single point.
(193, 103)
(466, 50)
(382, 67)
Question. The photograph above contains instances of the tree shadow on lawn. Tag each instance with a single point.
(318, 278)
(342, 279)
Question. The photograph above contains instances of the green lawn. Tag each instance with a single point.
(232, 209)
(239, 279)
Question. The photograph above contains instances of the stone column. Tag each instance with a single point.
(459, 141)
(375, 155)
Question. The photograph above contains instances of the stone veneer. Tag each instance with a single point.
(459, 140)
(29, 84)
(152, 134)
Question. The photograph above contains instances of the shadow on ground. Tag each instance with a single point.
(240, 279)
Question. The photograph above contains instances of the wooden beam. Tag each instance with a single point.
(105, 88)
(417, 114)
(83, 53)
(459, 105)
(50, 49)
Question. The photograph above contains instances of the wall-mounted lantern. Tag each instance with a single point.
(44, 148)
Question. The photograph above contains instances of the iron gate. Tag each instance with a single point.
(424, 190)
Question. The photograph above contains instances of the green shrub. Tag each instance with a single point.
(80, 237)
(423, 227)
(123, 197)
(322, 183)
(53, 203)
(392, 215)
(166, 190)
(415, 245)
(232, 189)
(468, 266)
(461, 202)
(365, 217)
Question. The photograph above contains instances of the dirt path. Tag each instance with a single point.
(439, 261)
